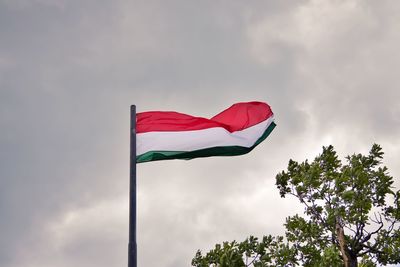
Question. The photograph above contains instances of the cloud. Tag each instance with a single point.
(26, 4)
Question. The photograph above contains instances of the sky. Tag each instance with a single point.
(69, 71)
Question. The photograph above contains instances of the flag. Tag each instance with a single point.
(163, 135)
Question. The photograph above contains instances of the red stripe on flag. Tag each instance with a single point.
(238, 117)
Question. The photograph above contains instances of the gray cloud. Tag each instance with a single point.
(70, 69)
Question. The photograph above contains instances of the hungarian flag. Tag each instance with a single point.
(163, 135)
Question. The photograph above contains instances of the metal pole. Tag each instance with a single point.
(132, 246)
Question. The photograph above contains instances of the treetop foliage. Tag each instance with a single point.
(352, 216)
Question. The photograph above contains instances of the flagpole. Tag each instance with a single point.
(132, 246)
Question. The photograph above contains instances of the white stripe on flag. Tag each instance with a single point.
(199, 139)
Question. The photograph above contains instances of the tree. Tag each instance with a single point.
(352, 218)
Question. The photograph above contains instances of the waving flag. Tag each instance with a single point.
(163, 135)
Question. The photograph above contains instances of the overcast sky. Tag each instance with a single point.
(69, 70)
